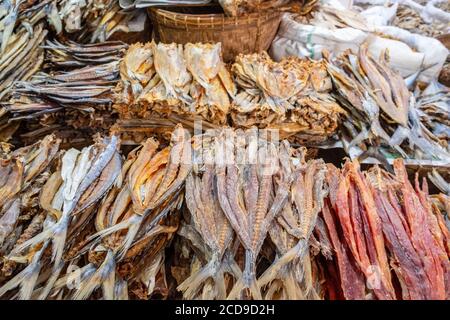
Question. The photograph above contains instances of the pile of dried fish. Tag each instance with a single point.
(110, 222)
(23, 173)
(378, 222)
(434, 110)
(259, 222)
(69, 54)
(21, 56)
(76, 94)
(292, 95)
(137, 219)
(67, 200)
(382, 113)
(166, 78)
(411, 16)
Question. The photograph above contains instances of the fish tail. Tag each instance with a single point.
(29, 281)
(193, 283)
(121, 290)
(235, 292)
(51, 282)
(26, 279)
(220, 285)
(97, 237)
(88, 285)
(247, 280)
(273, 270)
(108, 286)
(59, 240)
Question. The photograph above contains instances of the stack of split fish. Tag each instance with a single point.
(76, 94)
(163, 84)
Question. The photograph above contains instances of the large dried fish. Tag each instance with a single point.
(211, 224)
(377, 222)
(291, 232)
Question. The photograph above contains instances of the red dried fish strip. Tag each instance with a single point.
(352, 280)
(434, 266)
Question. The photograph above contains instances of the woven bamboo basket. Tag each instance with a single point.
(245, 34)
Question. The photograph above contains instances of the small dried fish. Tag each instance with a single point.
(266, 97)
(161, 79)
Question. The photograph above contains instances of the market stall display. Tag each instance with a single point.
(206, 159)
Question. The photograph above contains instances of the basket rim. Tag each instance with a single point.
(211, 19)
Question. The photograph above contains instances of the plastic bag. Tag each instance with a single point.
(409, 53)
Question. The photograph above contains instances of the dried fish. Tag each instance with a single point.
(160, 79)
(94, 169)
(73, 96)
(382, 113)
(266, 97)
(136, 221)
(291, 235)
(386, 223)
(211, 224)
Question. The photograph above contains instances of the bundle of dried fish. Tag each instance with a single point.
(292, 96)
(246, 168)
(377, 222)
(381, 110)
(209, 232)
(67, 198)
(165, 78)
(77, 99)
(70, 54)
(291, 275)
(21, 58)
